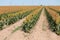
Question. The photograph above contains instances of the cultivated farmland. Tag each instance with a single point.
(30, 23)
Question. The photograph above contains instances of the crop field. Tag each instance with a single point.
(5, 9)
(56, 18)
(56, 8)
(29, 22)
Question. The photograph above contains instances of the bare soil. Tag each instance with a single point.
(7, 31)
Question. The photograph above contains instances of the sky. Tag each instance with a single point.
(29, 2)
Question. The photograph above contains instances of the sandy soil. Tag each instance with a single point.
(7, 31)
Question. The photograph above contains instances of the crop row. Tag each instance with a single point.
(11, 18)
(55, 10)
(51, 21)
(53, 25)
(30, 21)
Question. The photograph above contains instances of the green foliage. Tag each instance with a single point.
(53, 26)
(27, 26)
(1, 25)
(8, 19)
(58, 29)
(51, 21)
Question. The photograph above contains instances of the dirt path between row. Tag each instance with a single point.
(7, 31)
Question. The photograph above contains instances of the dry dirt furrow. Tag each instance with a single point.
(7, 31)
